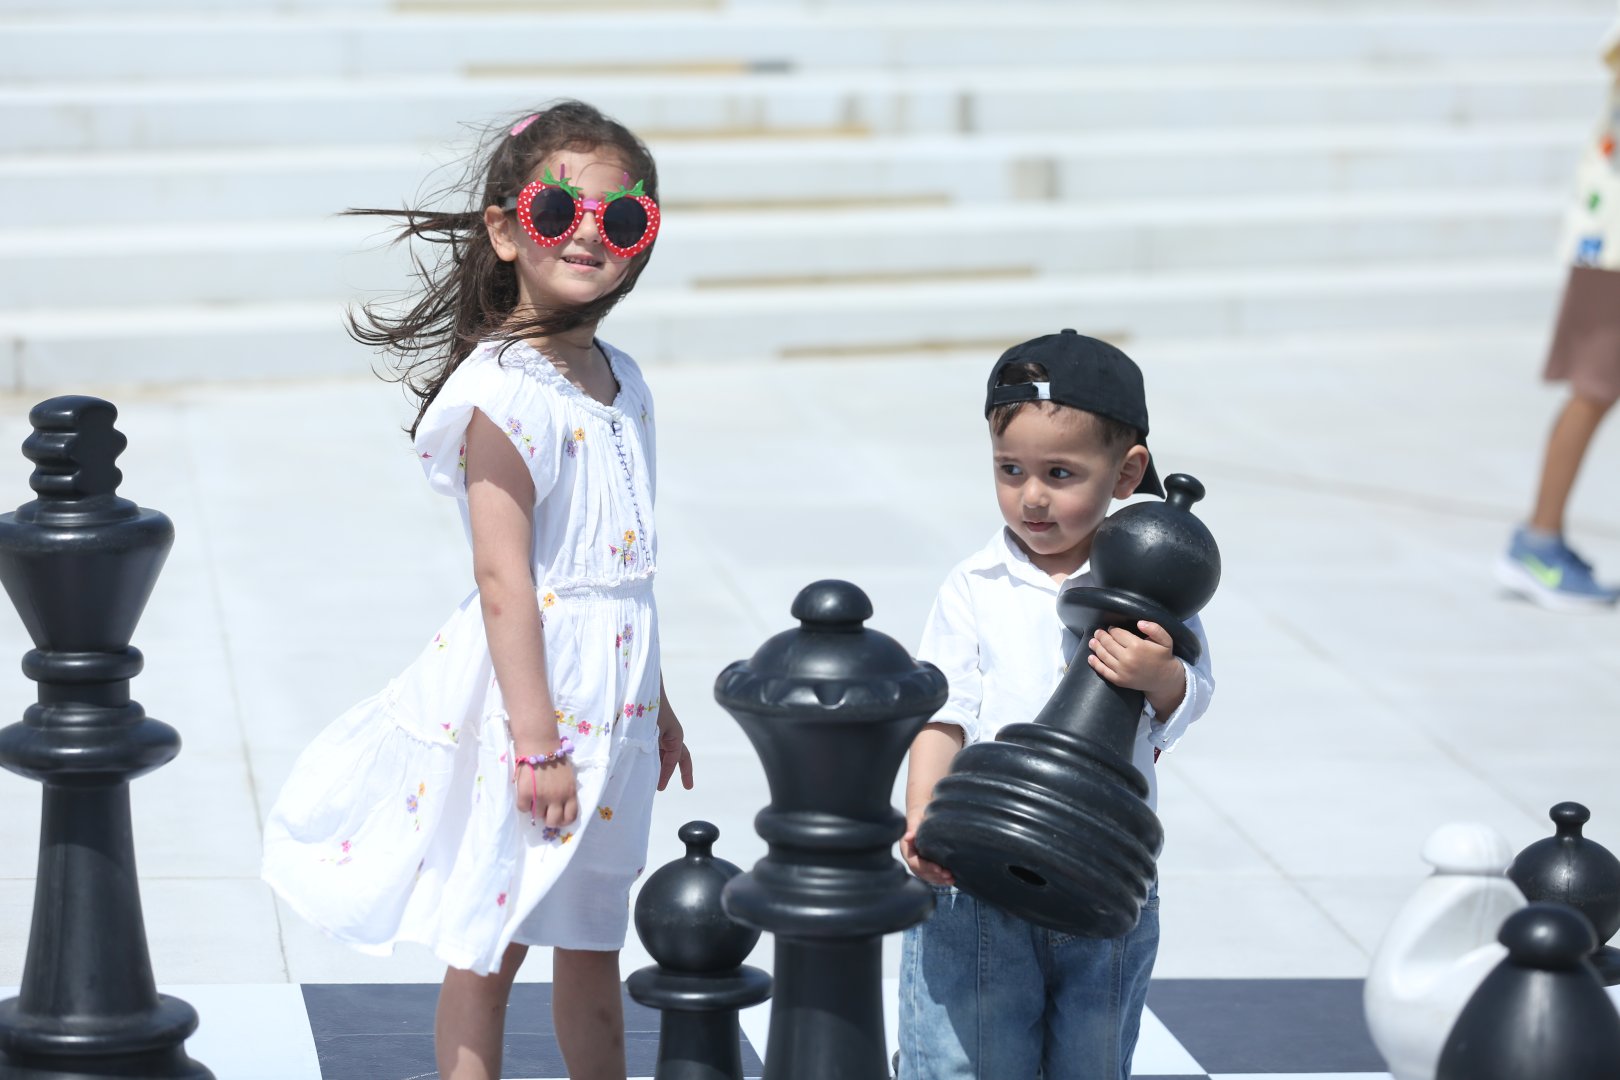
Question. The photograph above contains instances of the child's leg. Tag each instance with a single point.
(1095, 1010)
(471, 1019)
(1566, 447)
(971, 994)
(588, 1013)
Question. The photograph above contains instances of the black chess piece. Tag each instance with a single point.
(1050, 821)
(1542, 1013)
(79, 564)
(831, 708)
(700, 981)
(1569, 868)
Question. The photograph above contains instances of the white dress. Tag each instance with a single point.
(398, 822)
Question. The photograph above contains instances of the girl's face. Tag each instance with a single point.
(580, 269)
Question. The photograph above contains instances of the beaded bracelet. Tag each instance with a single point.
(564, 750)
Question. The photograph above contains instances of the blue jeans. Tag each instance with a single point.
(985, 995)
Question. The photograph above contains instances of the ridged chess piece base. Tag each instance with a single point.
(1048, 827)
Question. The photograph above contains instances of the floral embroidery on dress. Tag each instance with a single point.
(571, 446)
(639, 709)
(548, 600)
(500, 901)
(343, 851)
(621, 641)
(627, 553)
(514, 428)
(452, 731)
(412, 804)
(605, 813)
(583, 727)
(461, 459)
(440, 643)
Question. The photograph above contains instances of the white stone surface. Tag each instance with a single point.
(1372, 682)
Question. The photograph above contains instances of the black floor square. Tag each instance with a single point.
(384, 1031)
(1268, 1025)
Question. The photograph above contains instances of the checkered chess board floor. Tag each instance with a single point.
(1212, 1029)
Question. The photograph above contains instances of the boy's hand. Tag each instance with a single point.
(672, 751)
(931, 872)
(1143, 663)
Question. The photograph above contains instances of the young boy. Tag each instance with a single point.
(984, 994)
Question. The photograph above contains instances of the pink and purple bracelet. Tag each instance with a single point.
(534, 761)
(564, 751)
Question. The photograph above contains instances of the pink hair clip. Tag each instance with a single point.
(518, 128)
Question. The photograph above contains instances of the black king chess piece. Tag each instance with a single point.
(1050, 821)
(831, 708)
(700, 981)
(1568, 868)
(79, 563)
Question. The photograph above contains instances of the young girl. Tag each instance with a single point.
(497, 794)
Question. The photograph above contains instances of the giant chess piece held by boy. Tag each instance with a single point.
(1568, 868)
(1050, 821)
(700, 981)
(79, 563)
(1541, 1014)
(831, 708)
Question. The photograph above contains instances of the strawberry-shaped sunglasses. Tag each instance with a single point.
(551, 208)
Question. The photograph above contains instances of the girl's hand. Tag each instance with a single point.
(547, 793)
(1143, 663)
(672, 751)
(931, 872)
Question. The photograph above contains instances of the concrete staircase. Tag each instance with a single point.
(840, 179)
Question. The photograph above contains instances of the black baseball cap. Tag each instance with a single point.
(1083, 373)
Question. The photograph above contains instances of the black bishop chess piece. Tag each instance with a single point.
(79, 564)
(700, 981)
(831, 708)
(1569, 868)
(1050, 821)
(1542, 1013)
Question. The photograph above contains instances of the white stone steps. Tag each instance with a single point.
(303, 260)
(66, 348)
(115, 189)
(110, 116)
(346, 43)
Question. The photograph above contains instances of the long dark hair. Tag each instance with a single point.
(465, 293)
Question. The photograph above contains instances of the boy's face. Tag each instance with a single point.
(1054, 481)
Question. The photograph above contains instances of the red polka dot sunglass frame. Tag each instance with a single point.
(626, 219)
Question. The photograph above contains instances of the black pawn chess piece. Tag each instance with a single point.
(831, 708)
(1568, 868)
(1541, 1014)
(700, 981)
(1050, 821)
(79, 564)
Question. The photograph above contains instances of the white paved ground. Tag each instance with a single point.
(1372, 681)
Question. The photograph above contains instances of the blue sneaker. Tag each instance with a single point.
(1547, 572)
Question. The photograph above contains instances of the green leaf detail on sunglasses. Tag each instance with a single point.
(547, 178)
(621, 192)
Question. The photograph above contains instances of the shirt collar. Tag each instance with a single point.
(1003, 553)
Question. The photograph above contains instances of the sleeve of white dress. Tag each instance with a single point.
(1200, 688)
(950, 642)
(513, 402)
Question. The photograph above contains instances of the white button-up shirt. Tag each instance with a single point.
(994, 631)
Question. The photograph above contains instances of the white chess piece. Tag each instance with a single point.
(1440, 946)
